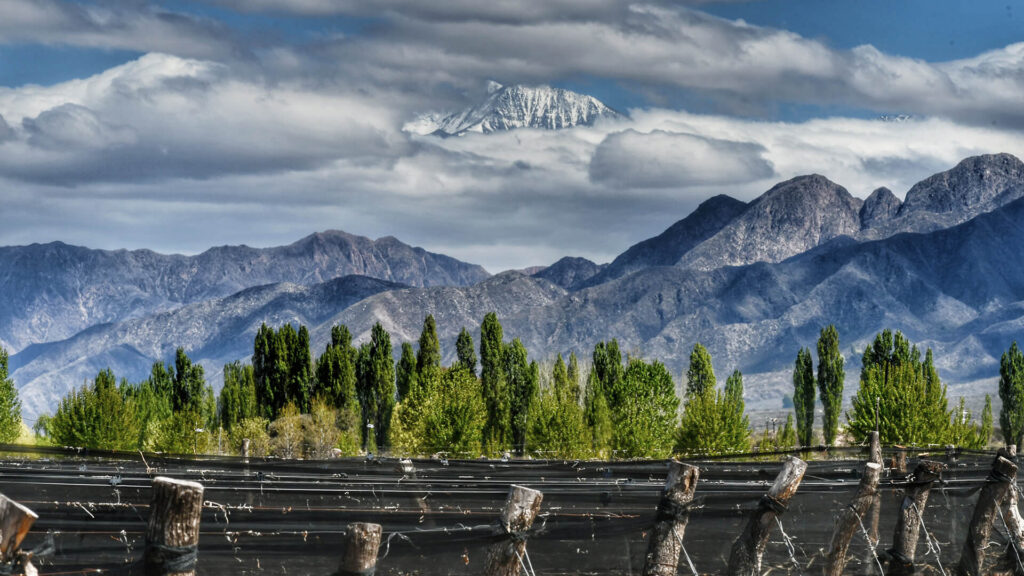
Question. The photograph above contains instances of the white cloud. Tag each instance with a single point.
(661, 159)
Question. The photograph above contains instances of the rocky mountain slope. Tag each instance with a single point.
(570, 272)
(511, 107)
(51, 291)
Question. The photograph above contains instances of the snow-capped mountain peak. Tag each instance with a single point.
(517, 106)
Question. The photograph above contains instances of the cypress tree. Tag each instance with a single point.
(700, 377)
(10, 405)
(406, 372)
(428, 358)
(493, 381)
(803, 396)
(830, 381)
(465, 352)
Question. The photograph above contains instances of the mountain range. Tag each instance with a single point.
(753, 282)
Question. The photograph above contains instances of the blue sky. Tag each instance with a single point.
(181, 125)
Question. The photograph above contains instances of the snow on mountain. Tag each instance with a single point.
(510, 107)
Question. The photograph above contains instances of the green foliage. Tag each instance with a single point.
(497, 433)
(556, 427)
(606, 372)
(521, 378)
(778, 440)
(830, 382)
(964, 432)
(465, 353)
(96, 416)
(282, 369)
(405, 372)
(320, 430)
(238, 396)
(803, 397)
(255, 429)
(428, 357)
(986, 422)
(336, 372)
(573, 375)
(454, 415)
(700, 377)
(10, 405)
(713, 420)
(286, 433)
(1011, 392)
(645, 416)
(379, 385)
(908, 391)
(183, 433)
(188, 386)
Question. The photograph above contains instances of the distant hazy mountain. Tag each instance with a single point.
(52, 291)
(510, 107)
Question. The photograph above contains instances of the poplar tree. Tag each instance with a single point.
(700, 377)
(521, 377)
(644, 424)
(830, 381)
(336, 371)
(238, 395)
(493, 381)
(381, 383)
(803, 396)
(428, 358)
(574, 376)
(465, 353)
(405, 373)
(10, 405)
(1011, 392)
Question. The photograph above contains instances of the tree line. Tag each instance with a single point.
(495, 400)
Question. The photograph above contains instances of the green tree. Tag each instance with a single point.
(573, 374)
(522, 377)
(96, 416)
(405, 372)
(700, 377)
(556, 427)
(713, 420)
(1011, 392)
(803, 396)
(454, 415)
(911, 398)
(605, 376)
(238, 395)
(381, 384)
(188, 385)
(428, 357)
(465, 352)
(336, 371)
(606, 372)
(645, 420)
(10, 405)
(497, 433)
(830, 381)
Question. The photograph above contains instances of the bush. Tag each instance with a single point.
(255, 429)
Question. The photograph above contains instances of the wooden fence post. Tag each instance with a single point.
(15, 522)
(359, 558)
(245, 449)
(851, 518)
(172, 535)
(908, 526)
(993, 493)
(506, 557)
(899, 460)
(747, 550)
(1013, 562)
(673, 513)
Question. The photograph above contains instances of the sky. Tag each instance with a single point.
(186, 124)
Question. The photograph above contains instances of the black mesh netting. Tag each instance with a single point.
(288, 517)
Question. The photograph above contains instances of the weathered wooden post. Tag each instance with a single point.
(245, 449)
(15, 522)
(851, 518)
(747, 550)
(899, 460)
(359, 558)
(673, 513)
(908, 526)
(172, 535)
(875, 512)
(997, 486)
(1012, 562)
(506, 557)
